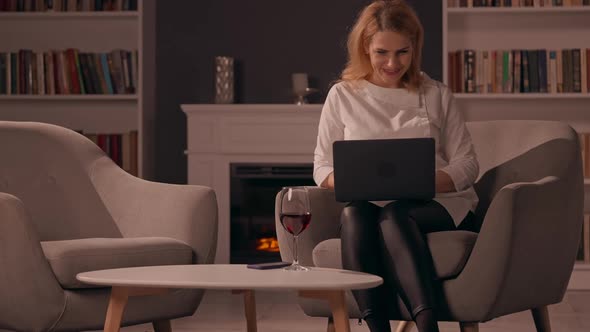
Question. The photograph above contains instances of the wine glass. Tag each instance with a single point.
(295, 217)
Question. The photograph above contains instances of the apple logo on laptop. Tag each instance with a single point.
(386, 169)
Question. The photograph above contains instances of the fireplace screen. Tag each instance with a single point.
(253, 188)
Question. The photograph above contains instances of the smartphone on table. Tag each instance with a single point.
(268, 266)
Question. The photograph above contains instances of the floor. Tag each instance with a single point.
(222, 311)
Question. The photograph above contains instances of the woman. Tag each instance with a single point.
(383, 94)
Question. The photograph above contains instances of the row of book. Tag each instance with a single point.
(585, 149)
(67, 5)
(517, 3)
(68, 72)
(121, 148)
(584, 248)
(519, 71)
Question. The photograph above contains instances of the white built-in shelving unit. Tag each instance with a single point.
(485, 28)
(89, 31)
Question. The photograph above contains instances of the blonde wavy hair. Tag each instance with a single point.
(384, 15)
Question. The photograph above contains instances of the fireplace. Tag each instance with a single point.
(221, 135)
(253, 187)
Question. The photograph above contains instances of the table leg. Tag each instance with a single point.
(405, 326)
(162, 326)
(118, 301)
(249, 308)
(337, 301)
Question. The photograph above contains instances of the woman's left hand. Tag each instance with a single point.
(443, 182)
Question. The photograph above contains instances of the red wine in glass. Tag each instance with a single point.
(295, 217)
(295, 223)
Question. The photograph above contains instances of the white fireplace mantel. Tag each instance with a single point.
(221, 134)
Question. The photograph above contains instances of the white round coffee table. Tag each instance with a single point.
(320, 283)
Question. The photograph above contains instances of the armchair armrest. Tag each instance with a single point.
(144, 208)
(524, 255)
(325, 224)
(32, 297)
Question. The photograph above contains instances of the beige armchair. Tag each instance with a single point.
(65, 208)
(531, 210)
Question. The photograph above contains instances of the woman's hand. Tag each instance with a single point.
(328, 182)
(443, 182)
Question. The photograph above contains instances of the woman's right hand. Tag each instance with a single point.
(328, 182)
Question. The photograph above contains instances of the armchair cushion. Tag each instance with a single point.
(70, 257)
(450, 251)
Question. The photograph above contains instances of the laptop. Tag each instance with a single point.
(384, 169)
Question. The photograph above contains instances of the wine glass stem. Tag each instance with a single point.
(295, 258)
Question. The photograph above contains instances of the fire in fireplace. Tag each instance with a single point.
(270, 244)
(253, 188)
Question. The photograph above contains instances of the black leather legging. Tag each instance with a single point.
(390, 242)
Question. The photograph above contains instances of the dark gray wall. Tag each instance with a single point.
(269, 39)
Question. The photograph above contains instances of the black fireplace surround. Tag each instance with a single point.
(253, 188)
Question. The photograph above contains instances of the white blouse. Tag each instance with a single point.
(362, 110)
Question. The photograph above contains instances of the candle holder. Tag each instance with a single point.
(301, 95)
(300, 88)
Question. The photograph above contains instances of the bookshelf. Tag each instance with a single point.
(68, 97)
(522, 96)
(519, 28)
(93, 15)
(517, 10)
(89, 32)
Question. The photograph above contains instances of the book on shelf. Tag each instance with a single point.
(519, 71)
(67, 5)
(585, 150)
(559, 70)
(4, 72)
(578, 58)
(567, 64)
(517, 68)
(120, 147)
(68, 72)
(584, 247)
(516, 3)
(552, 72)
(542, 69)
(584, 70)
(586, 238)
(524, 72)
(469, 74)
(508, 68)
(533, 70)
